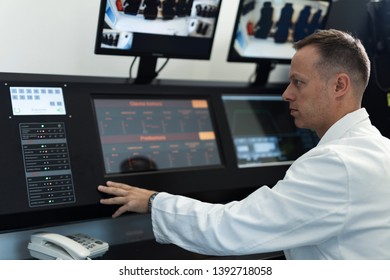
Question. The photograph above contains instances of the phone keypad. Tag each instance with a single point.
(92, 244)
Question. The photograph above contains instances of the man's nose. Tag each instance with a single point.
(287, 94)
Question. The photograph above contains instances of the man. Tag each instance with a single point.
(334, 201)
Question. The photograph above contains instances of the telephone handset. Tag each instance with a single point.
(49, 246)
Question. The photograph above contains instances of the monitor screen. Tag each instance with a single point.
(263, 132)
(140, 134)
(30, 101)
(266, 29)
(154, 28)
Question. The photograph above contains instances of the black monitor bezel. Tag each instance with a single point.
(154, 54)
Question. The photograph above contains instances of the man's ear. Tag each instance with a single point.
(343, 84)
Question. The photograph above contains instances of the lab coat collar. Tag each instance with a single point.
(338, 129)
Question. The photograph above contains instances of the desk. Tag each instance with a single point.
(151, 250)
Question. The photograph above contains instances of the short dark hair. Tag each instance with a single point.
(340, 52)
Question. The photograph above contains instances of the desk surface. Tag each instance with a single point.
(151, 250)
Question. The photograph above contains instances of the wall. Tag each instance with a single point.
(57, 37)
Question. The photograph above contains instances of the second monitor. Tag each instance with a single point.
(262, 131)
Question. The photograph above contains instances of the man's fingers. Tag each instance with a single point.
(119, 212)
(113, 190)
(118, 200)
(118, 185)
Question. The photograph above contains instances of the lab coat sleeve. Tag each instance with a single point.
(304, 208)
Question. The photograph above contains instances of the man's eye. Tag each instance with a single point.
(298, 83)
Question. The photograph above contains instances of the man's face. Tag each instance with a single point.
(308, 93)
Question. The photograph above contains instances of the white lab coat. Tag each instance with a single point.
(333, 203)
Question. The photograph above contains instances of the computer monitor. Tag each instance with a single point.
(143, 134)
(265, 30)
(150, 29)
(263, 132)
(61, 140)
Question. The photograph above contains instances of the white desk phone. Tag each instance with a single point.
(53, 246)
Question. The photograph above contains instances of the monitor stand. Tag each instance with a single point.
(146, 70)
(263, 69)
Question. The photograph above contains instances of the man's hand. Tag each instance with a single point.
(131, 199)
